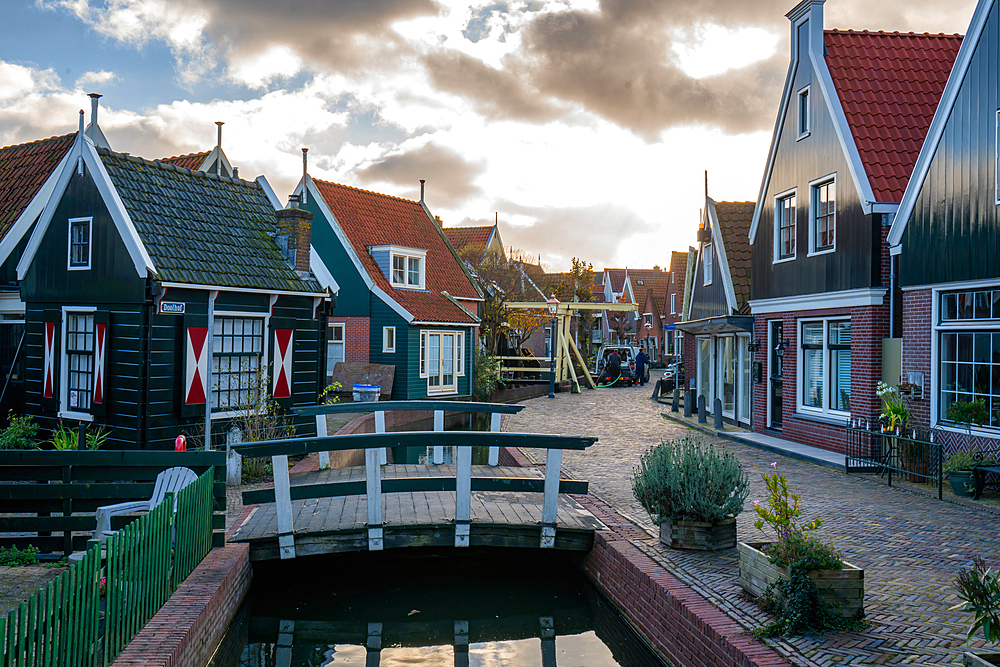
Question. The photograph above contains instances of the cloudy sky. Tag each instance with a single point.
(585, 125)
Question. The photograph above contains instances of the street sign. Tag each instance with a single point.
(171, 308)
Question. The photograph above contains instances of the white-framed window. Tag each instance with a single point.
(647, 320)
(334, 346)
(78, 345)
(673, 303)
(823, 214)
(803, 113)
(825, 366)
(407, 271)
(237, 350)
(79, 244)
(785, 223)
(548, 341)
(706, 263)
(968, 351)
(442, 360)
(388, 339)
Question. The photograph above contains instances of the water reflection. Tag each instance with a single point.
(480, 609)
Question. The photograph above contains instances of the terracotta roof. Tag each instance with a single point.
(734, 222)
(617, 277)
(477, 237)
(658, 286)
(190, 161)
(203, 229)
(24, 168)
(371, 219)
(889, 84)
(678, 261)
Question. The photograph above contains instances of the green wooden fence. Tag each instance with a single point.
(59, 626)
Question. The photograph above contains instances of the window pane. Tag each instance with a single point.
(414, 271)
(965, 347)
(812, 378)
(840, 333)
(965, 305)
(704, 358)
(949, 307)
(840, 393)
(982, 306)
(812, 333)
(398, 269)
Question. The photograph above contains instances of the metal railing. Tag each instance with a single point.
(60, 625)
(872, 448)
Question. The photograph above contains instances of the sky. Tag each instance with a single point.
(584, 126)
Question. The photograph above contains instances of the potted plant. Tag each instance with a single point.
(893, 408)
(968, 413)
(959, 467)
(803, 578)
(979, 592)
(693, 492)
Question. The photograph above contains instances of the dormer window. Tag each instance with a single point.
(404, 267)
(79, 243)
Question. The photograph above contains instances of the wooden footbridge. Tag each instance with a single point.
(383, 505)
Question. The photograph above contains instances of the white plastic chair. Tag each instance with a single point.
(169, 480)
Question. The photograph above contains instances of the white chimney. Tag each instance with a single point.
(807, 29)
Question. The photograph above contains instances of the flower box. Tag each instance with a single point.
(843, 590)
(700, 535)
(970, 659)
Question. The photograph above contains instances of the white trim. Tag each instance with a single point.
(458, 360)
(248, 290)
(90, 243)
(776, 257)
(444, 324)
(941, 115)
(337, 230)
(727, 278)
(800, 407)
(392, 303)
(814, 186)
(11, 304)
(271, 197)
(386, 348)
(991, 283)
(408, 254)
(217, 156)
(803, 94)
(323, 275)
(707, 265)
(64, 411)
(855, 298)
(772, 153)
(265, 350)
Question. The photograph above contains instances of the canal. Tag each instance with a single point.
(483, 607)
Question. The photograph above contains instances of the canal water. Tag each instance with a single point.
(410, 607)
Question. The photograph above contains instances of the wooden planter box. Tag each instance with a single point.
(970, 659)
(843, 590)
(698, 535)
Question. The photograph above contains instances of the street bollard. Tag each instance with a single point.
(688, 399)
(656, 390)
(702, 416)
(673, 403)
(81, 437)
(717, 415)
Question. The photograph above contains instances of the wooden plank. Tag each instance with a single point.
(450, 406)
(283, 506)
(495, 422)
(112, 458)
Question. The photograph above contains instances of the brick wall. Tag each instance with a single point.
(917, 350)
(355, 338)
(189, 627)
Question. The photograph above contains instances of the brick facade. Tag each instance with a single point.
(356, 339)
(917, 350)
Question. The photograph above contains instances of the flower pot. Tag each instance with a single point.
(700, 535)
(843, 590)
(961, 483)
(990, 659)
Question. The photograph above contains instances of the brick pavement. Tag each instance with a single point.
(18, 583)
(910, 545)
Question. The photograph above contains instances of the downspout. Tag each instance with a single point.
(208, 380)
(893, 301)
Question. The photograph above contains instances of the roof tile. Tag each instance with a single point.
(24, 168)
(734, 221)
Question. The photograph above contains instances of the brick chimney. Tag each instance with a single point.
(296, 224)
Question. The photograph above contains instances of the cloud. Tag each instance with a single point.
(450, 177)
(95, 78)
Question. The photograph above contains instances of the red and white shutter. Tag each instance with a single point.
(102, 329)
(196, 366)
(282, 385)
(49, 361)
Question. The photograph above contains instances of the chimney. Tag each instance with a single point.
(218, 141)
(305, 172)
(421, 191)
(93, 115)
(296, 224)
(807, 29)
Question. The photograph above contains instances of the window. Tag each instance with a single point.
(784, 226)
(803, 113)
(334, 346)
(548, 341)
(826, 366)
(442, 360)
(706, 261)
(824, 204)
(673, 304)
(79, 360)
(388, 339)
(237, 348)
(969, 351)
(407, 271)
(79, 243)
(647, 320)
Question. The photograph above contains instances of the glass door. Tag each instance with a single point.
(775, 353)
(726, 358)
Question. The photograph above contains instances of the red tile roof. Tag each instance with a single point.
(23, 170)
(370, 219)
(477, 237)
(734, 220)
(658, 286)
(617, 277)
(889, 84)
(191, 161)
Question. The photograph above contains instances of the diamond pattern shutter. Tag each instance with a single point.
(102, 329)
(50, 348)
(196, 365)
(282, 383)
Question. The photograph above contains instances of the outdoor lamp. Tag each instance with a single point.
(553, 304)
(779, 350)
(754, 346)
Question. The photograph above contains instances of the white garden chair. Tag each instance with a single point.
(170, 480)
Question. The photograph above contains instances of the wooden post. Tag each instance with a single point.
(569, 363)
(463, 496)
(438, 456)
(380, 428)
(324, 457)
(283, 648)
(548, 636)
(495, 420)
(564, 321)
(373, 645)
(283, 506)
(550, 500)
(583, 365)
(461, 644)
(373, 487)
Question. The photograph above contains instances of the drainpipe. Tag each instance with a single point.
(893, 301)
(305, 173)
(208, 379)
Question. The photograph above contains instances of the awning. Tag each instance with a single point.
(720, 324)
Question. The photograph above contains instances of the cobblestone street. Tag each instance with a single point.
(910, 545)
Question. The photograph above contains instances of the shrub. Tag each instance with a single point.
(979, 590)
(14, 557)
(486, 376)
(64, 438)
(684, 479)
(803, 549)
(967, 460)
(20, 433)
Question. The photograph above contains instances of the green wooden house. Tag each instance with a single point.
(405, 299)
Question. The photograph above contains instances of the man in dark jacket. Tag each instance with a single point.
(614, 367)
(640, 367)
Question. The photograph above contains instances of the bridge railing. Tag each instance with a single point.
(375, 444)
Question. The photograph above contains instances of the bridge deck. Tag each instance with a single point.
(331, 525)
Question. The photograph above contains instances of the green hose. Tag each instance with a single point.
(611, 384)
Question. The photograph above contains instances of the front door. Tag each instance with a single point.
(776, 380)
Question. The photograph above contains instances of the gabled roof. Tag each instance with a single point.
(24, 168)
(191, 161)
(617, 279)
(678, 264)
(889, 86)
(476, 237)
(734, 224)
(658, 285)
(372, 219)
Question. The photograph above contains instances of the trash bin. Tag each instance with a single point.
(366, 393)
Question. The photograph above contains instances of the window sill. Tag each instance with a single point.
(409, 287)
(802, 136)
(827, 251)
(823, 419)
(79, 416)
(783, 260)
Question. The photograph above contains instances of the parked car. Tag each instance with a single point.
(628, 354)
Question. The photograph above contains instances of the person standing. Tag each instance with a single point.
(640, 367)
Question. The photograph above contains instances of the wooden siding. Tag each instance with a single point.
(352, 300)
(406, 358)
(953, 233)
(797, 162)
(708, 300)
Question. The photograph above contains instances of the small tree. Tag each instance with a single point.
(968, 413)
